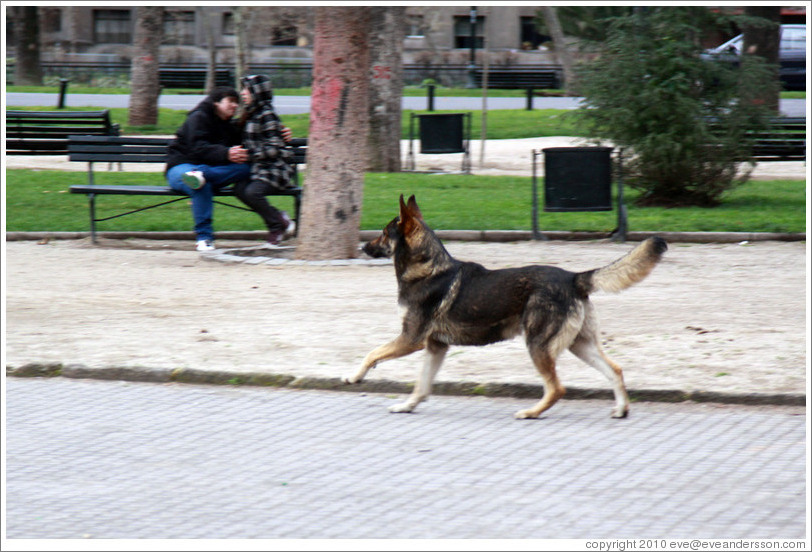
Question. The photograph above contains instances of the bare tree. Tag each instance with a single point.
(209, 18)
(562, 52)
(241, 54)
(27, 68)
(145, 88)
(387, 25)
(337, 144)
(762, 37)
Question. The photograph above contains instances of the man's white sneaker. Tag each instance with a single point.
(194, 179)
(205, 245)
(290, 229)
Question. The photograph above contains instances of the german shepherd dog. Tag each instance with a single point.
(450, 302)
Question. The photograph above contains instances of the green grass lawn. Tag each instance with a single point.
(501, 123)
(40, 201)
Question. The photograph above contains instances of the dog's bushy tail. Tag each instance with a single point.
(624, 272)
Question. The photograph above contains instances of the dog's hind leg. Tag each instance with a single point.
(587, 347)
(398, 347)
(553, 390)
(548, 334)
(435, 354)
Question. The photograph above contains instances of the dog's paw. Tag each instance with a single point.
(620, 412)
(525, 415)
(401, 407)
(355, 377)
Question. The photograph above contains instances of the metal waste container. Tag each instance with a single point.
(442, 133)
(578, 179)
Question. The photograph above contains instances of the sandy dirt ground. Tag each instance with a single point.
(499, 157)
(713, 317)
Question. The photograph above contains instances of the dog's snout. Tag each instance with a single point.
(377, 248)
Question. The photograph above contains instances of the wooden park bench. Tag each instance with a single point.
(127, 149)
(520, 77)
(47, 132)
(186, 77)
(783, 140)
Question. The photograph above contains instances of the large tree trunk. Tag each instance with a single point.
(386, 46)
(145, 89)
(562, 52)
(337, 143)
(27, 68)
(764, 41)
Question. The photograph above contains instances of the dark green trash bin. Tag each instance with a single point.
(578, 179)
(442, 133)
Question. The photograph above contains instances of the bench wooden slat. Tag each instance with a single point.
(118, 158)
(22, 113)
(107, 141)
(50, 145)
(113, 189)
(33, 133)
(117, 149)
(50, 122)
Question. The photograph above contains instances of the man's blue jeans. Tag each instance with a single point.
(217, 177)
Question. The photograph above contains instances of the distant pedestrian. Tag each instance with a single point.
(207, 155)
(271, 158)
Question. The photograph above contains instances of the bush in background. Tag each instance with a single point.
(683, 121)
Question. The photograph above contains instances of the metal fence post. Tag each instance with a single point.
(63, 87)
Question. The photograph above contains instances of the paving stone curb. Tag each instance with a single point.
(460, 388)
(454, 235)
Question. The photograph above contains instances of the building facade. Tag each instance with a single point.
(434, 34)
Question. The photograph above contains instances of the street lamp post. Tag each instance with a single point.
(472, 60)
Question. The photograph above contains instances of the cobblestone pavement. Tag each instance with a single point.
(101, 459)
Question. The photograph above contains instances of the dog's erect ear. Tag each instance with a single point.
(409, 215)
(402, 206)
(414, 210)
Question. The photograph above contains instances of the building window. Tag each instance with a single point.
(112, 27)
(179, 28)
(52, 20)
(284, 35)
(462, 32)
(530, 37)
(415, 26)
(228, 23)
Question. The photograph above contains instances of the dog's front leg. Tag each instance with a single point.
(435, 354)
(399, 347)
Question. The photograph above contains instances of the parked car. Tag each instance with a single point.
(791, 55)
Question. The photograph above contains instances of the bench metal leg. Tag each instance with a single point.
(92, 200)
(297, 208)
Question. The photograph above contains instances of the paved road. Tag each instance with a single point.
(286, 105)
(97, 459)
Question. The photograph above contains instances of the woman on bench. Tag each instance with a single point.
(269, 154)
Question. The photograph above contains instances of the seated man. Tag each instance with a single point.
(205, 156)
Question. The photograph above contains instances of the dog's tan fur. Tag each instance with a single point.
(449, 302)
